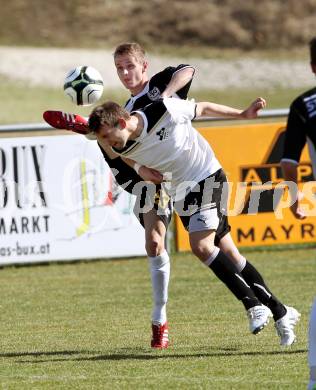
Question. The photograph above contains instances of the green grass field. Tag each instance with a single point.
(87, 326)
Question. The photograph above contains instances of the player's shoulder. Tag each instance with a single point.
(167, 72)
(168, 104)
(154, 107)
(160, 78)
(303, 104)
(152, 114)
(310, 92)
(303, 97)
(171, 102)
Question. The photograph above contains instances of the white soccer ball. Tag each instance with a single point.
(83, 85)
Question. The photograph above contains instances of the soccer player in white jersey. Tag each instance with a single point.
(161, 137)
(132, 68)
(300, 129)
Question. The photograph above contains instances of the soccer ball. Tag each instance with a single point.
(83, 85)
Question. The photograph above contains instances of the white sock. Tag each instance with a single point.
(160, 273)
(212, 257)
(312, 345)
(241, 265)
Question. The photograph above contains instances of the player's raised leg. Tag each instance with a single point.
(285, 317)
(202, 244)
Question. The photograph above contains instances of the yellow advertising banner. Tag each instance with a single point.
(258, 209)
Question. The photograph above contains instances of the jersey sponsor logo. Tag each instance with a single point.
(163, 133)
(276, 233)
(154, 94)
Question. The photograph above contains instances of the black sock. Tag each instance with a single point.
(257, 284)
(226, 271)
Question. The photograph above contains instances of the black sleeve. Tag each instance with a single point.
(295, 134)
(124, 175)
(162, 79)
(183, 92)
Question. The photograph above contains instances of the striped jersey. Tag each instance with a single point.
(170, 144)
(301, 128)
(125, 175)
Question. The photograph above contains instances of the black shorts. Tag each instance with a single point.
(153, 197)
(214, 199)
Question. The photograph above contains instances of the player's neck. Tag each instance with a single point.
(138, 89)
(136, 125)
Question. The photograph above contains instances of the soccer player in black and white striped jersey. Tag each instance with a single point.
(161, 137)
(132, 69)
(300, 129)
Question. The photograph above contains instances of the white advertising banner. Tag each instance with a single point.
(59, 202)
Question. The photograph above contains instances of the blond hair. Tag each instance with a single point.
(131, 48)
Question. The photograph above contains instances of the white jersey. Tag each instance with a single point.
(169, 144)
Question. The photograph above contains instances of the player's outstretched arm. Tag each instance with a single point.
(252, 111)
(222, 111)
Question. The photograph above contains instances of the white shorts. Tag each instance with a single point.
(210, 205)
(204, 220)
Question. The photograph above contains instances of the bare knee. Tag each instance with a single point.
(228, 247)
(202, 244)
(234, 255)
(155, 243)
(202, 251)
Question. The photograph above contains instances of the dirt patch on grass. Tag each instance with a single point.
(48, 67)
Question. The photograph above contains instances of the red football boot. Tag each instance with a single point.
(160, 337)
(67, 121)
